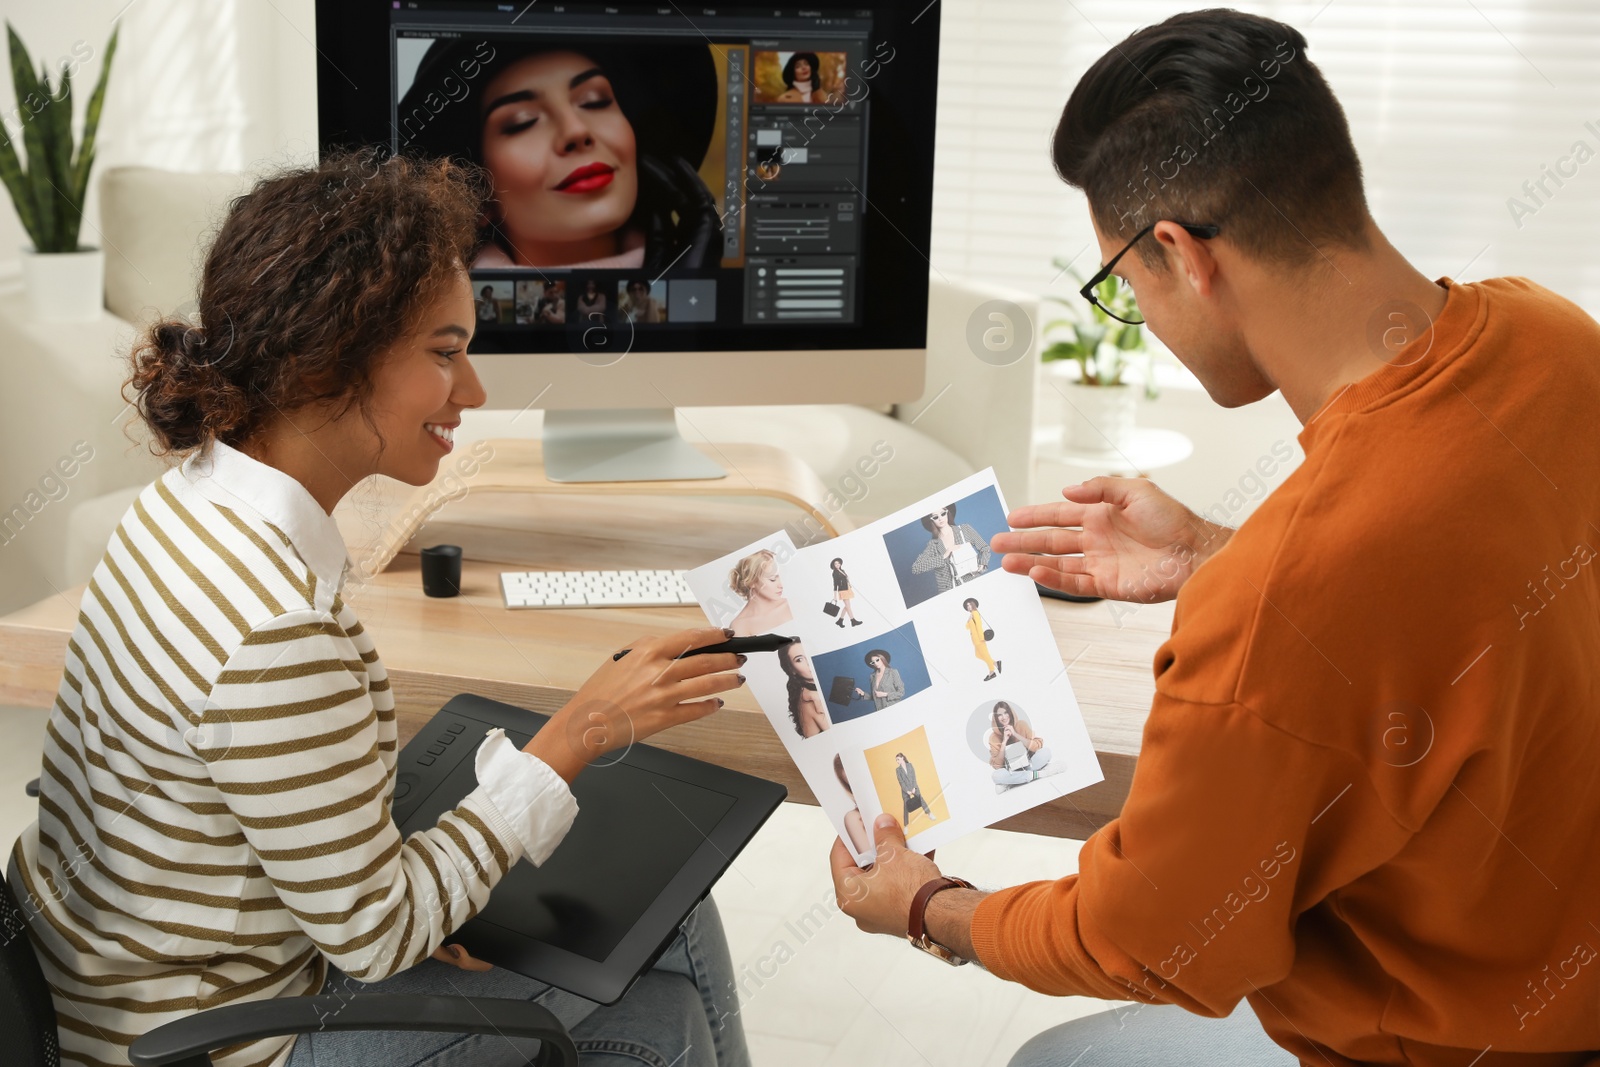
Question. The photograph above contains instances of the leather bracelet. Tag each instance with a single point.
(916, 925)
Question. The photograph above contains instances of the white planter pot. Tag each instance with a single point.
(1098, 418)
(65, 286)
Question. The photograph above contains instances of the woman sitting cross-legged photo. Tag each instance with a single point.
(1015, 755)
(214, 810)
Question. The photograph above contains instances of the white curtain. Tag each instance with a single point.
(177, 85)
(1453, 105)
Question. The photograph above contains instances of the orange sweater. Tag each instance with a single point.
(1367, 798)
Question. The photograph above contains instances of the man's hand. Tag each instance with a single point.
(1118, 538)
(878, 897)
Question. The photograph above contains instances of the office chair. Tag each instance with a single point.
(28, 1016)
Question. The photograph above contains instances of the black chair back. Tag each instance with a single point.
(27, 1014)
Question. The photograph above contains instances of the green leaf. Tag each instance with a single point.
(32, 101)
(1063, 350)
(91, 123)
(26, 88)
(1131, 339)
(55, 122)
(16, 184)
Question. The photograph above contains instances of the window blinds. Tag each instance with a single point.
(1477, 123)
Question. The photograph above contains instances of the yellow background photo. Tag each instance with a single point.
(881, 765)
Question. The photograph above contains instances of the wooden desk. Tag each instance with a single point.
(434, 649)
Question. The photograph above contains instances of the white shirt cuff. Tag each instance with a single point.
(534, 805)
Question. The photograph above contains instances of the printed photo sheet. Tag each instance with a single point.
(924, 681)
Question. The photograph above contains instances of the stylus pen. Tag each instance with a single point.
(759, 643)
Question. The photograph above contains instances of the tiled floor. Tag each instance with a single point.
(817, 992)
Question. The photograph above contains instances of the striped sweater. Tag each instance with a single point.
(214, 817)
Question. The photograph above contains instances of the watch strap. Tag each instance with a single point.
(916, 924)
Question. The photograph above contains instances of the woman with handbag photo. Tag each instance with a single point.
(910, 794)
(1016, 756)
(887, 687)
(843, 594)
(954, 554)
(981, 636)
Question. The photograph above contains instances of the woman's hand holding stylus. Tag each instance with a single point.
(641, 694)
(1118, 538)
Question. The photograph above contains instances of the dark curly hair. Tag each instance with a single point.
(312, 276)
(796, 685)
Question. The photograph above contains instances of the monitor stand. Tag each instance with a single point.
(621, 445)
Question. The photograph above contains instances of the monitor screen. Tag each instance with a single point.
(662, 178)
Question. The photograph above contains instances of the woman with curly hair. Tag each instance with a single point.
(214, 812)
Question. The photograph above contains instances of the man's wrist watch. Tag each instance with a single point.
(916, 926)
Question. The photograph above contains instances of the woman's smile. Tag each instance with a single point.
(586, 179)
(443, 434)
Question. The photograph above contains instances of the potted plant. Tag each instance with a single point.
(1088, 361)
(64, 280)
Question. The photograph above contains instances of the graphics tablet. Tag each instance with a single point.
(654, 832)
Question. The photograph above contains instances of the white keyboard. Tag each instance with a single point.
(594, 589)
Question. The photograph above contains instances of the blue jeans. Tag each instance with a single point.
(1148, 1035)
(1036, 762)
(683, 1012)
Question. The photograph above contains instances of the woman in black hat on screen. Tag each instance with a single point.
(594, 162)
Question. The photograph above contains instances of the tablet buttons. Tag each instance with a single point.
(403, 785)
(457, 727)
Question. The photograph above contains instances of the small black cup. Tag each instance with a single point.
(441, 570)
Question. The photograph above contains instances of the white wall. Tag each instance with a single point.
(195, 85)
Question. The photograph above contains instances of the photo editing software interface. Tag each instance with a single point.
(664, 168)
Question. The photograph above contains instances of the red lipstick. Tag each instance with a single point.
(586, 179)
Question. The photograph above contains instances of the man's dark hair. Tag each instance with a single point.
(1214, 117)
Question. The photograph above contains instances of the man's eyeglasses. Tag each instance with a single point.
(1088, 292)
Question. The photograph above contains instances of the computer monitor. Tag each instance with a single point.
(691, 205)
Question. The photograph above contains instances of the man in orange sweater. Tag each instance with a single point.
(1367, 793)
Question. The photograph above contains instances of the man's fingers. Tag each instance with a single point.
(1018, 563)
(841, 862)
(887, 833)
(1066, 513)
(1103, 490)
(1052, 577)
(1050, 541)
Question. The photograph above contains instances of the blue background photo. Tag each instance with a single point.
(981, 510)
(905, 656)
